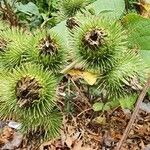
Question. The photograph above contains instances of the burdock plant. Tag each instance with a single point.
(28, 94)
(13, 43)
(42, 128)
(3, 26)
(98, 42)
(28, 86)
(101, 45)
(69, 8)
(3, 44)
(27, 91)
(19, 46)
(71, 23)
(125, 77)
(46, 48)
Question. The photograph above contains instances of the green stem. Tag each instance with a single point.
(126, 5)
(69, 67)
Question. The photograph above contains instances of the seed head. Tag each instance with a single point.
(71, 23)
(3, 45)
(47, 46)
(27, 90)
(94, 38)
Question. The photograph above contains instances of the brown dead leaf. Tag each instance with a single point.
(51, 145)
(10, 139)
(45, 144)
(7, 134)
(116, 135)
(100, 120)
(78, 146)
(69, 141)
(89, 77)
(75, 72)
(144, 7)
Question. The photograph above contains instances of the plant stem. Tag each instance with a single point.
(133, 117)
(69, 67)
(81, 94)
(127, 5)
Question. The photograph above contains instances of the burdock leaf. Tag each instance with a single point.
(128, 102)
(139, 34)
(113, 8)
(28, 9)
(145, 54)
(98, 106)
(139, 31)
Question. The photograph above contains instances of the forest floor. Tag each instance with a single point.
(84, 129)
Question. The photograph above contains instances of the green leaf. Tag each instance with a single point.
(107, 107)
(128, 102)
(145, 54)
(62, 30)
(113, 8)
(29, 9)
(139, 29)
(111, 105)
(98, 106)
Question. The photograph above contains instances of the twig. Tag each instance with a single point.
(69, 67)
(81, 94)
(83, 112)
(133, 117)
(126, 5)
(45, 22)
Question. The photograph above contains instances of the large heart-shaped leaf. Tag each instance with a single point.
(113, 8)
(145, 54)
(139, 29)
(29, 9)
